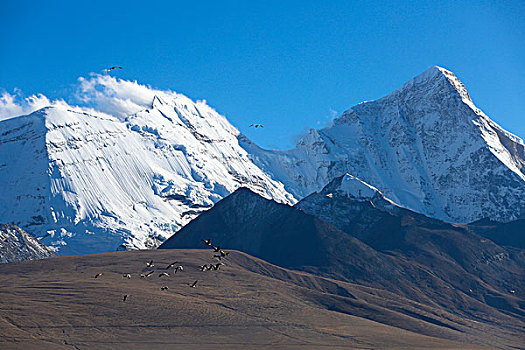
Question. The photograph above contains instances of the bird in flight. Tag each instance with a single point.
(127, 275)
(256, 126)
(125, 297)
(111, 68)
(150, 264)
(207, 241)
(171, 265)
(164, 274)
(146, 275)
(98, 275)
(217, 248)
(204, 267)
(216, 266)
(178, 268)
(164, 288)
(194, 284)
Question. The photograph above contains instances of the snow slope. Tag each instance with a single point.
(425, 146)
(91, 183)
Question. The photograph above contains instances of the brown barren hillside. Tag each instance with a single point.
(57, 303)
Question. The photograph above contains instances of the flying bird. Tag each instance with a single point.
(224, 254)
(171, 265)
(111, 68)
(164, 274)
(204, 267)
(217, 248)
(256, 126)
(127, 275)
(148, 274)
(194, 284)
(125, 297)
(98, 275)
(164, 288)
(216, 266)
(218, 256)
(150, 264)
(178, 268)
(207, 241)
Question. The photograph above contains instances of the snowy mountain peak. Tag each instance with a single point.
(425, 146)
(355, 189)
(456, 83)
(435, 81)
(157, 102)
(92, 182)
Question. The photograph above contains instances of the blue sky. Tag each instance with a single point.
(290, 65)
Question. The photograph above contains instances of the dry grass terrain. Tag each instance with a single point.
(248, 304)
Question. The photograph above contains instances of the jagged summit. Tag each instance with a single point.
(425, 146)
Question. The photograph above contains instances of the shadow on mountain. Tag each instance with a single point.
(503, 233)
(377, 245)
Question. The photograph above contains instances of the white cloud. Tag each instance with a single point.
(96, 94)
(12, 105)
(115, 96)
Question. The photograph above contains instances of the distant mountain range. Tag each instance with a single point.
(88, 182)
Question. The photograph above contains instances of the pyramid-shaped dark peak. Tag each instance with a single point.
(245, 199)
(244, 193)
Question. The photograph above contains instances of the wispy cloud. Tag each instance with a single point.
(12, 105)
(97, 93)
(115, 96)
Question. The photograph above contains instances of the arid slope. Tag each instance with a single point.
(56, 303)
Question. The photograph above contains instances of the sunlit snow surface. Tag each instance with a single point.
(91, 183)
(134, 164)
(425, 146)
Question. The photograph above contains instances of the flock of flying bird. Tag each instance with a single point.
(218, 254)
(118, 67)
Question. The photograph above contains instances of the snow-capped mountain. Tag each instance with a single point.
(18, 245)
(425, 146)
(90, 182)
(354, 188)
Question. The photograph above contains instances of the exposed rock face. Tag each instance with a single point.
(425, 146)
(89, 183)
(18, 245)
